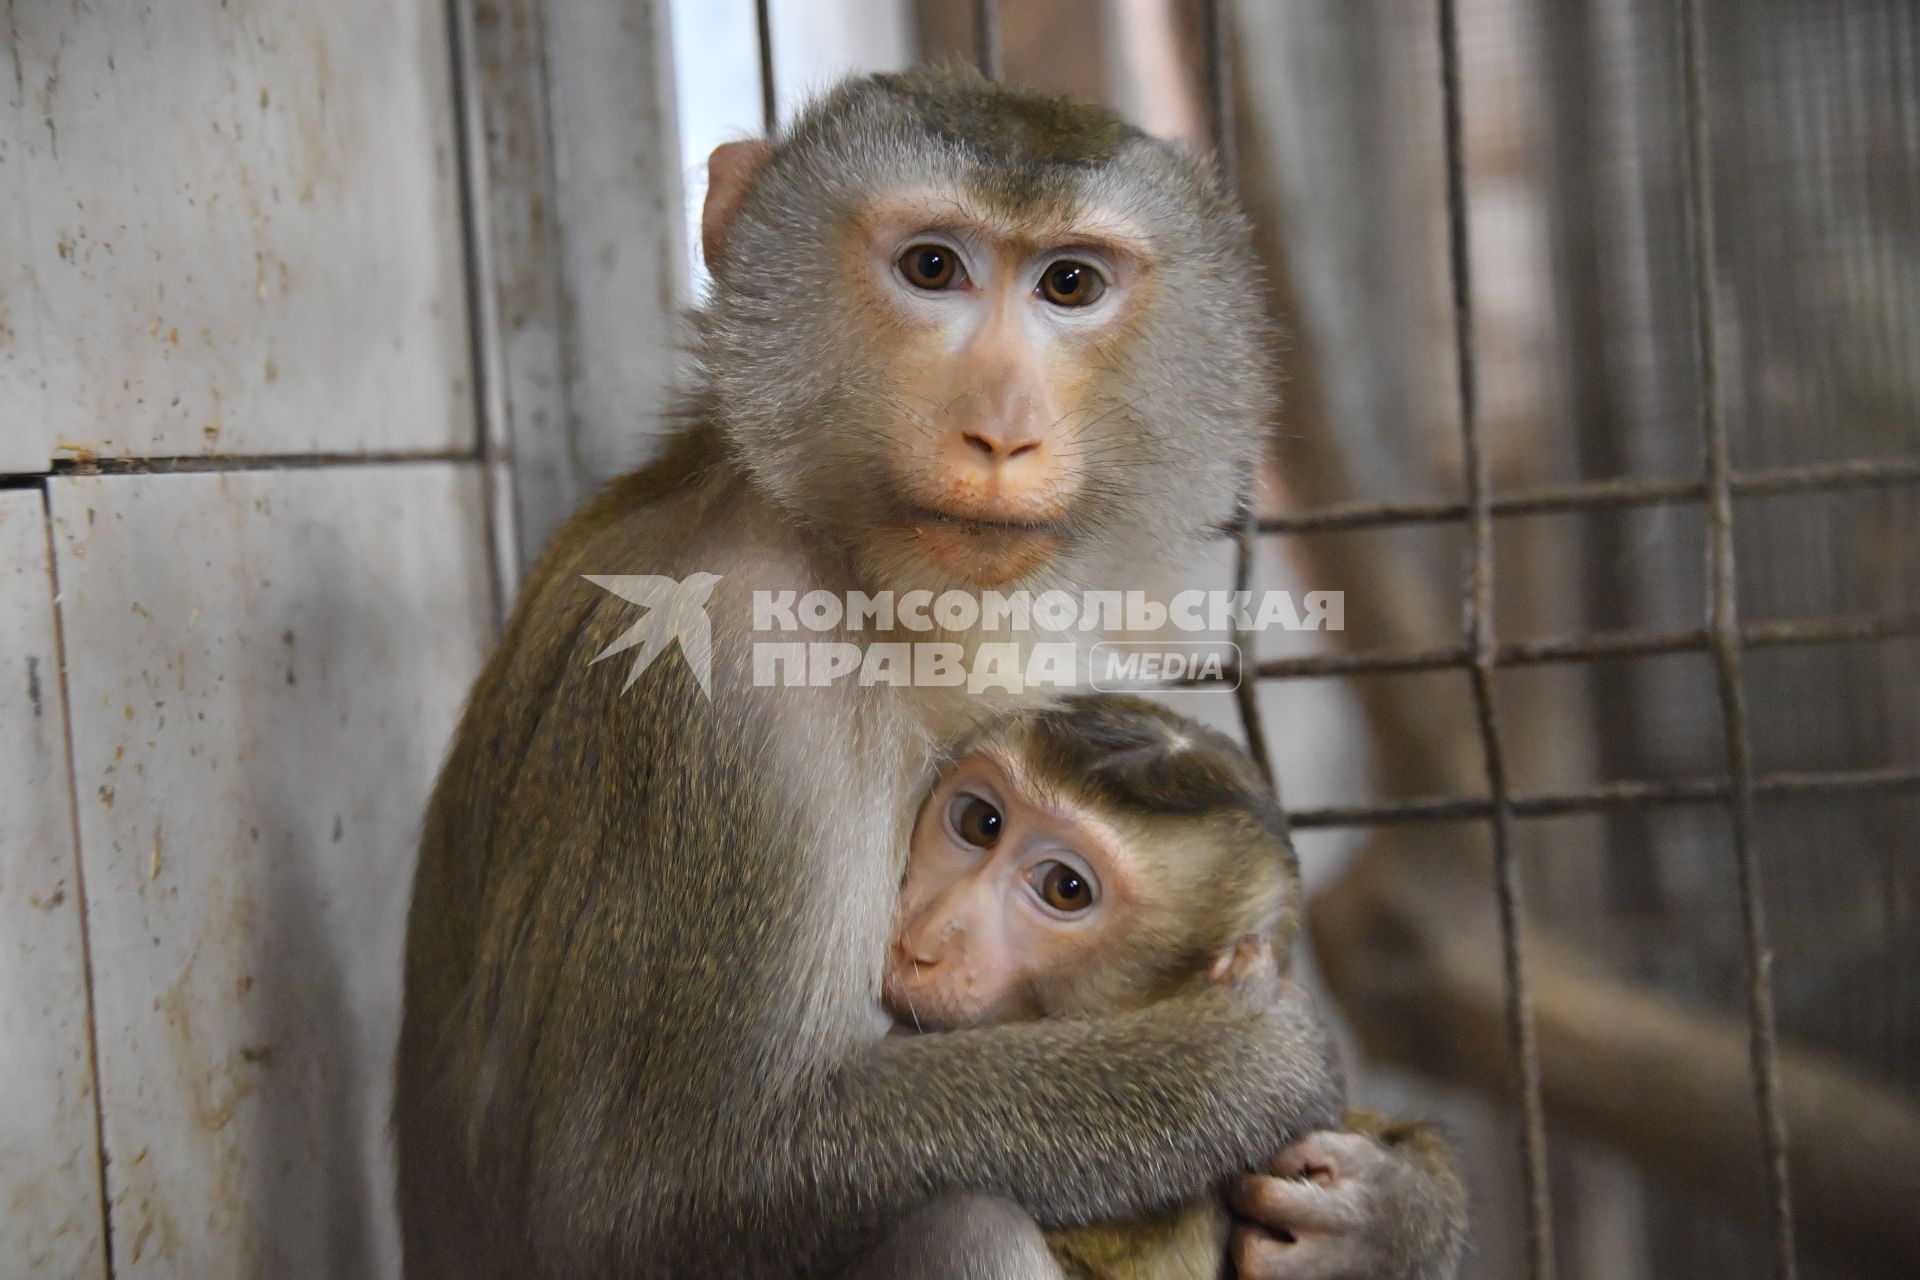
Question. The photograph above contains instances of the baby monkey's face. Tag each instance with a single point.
(1009, 892)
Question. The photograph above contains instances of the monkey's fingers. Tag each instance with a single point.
(1258, 1255)
(1293, 1209)
(1328, 1157)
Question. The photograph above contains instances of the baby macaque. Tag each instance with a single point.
(1109, 853)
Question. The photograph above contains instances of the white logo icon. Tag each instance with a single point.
(675, 610)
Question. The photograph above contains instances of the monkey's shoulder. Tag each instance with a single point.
(1188, 1242)
(689, 517)
(652, 520)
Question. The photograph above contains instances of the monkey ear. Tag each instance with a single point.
(731, 171)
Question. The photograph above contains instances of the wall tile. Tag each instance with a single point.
(211, 213)
(49, 1157)
(265, 667)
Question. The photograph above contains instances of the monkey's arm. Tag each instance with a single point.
(1087, 1121)
(655, 1051)
(1376, 1200)
(643, 959)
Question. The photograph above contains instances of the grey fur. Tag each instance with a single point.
(645, 943)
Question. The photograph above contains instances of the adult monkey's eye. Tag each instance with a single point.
(975, 821)
(931, 266)
(1067, 283)
(1064, 889)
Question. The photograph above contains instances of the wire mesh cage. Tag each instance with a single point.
(1649, 375)
(1601, 408)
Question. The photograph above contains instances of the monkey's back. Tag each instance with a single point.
(550, 924)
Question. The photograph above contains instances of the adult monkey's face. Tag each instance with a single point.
(983, 337)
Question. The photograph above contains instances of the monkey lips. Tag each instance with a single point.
(982, 551)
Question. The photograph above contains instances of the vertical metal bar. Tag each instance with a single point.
(1219, 89)
(986, 38)
(769, 106)
(1246, 694)
(1246, 519)
(1724, 625)
(1480, 629)
(483, 317)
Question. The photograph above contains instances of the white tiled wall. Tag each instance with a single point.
(49, 1161)
(258, 289)
(209, 213)
(233, 277)
(263, 669)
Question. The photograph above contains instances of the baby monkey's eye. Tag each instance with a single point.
(1067, 283)
(975, 821)
(1063, 888)
(932, 266)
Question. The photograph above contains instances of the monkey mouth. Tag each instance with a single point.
(982, 549)
(918, 514)
(986, 555)
(910, 1020)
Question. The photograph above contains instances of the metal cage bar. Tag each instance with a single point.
(1595, 646)
(1603, 495)
(1480, 626)
(1723, 622)
(1610, 797)
(986, 38)
(1246, 526)
(1481, 654)
(1722, 635)
(769, 104)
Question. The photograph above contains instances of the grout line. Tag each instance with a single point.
(188, 464)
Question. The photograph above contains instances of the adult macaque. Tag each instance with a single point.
(1108, 854)
(958, 337)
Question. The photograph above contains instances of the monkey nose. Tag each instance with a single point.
(921, 950)
(997, 445)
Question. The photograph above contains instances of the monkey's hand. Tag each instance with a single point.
(1370, 1202)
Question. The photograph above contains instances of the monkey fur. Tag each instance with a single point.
(642, 1033)
(1188, 853)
